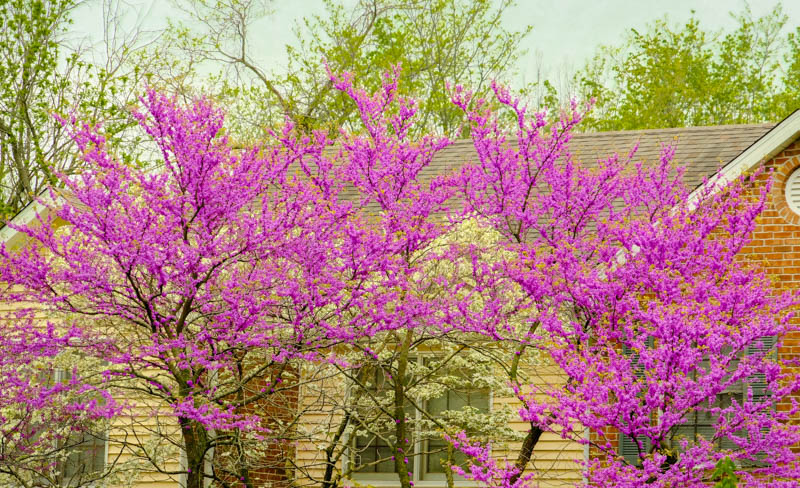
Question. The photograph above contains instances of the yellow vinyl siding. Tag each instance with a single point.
(555, 460)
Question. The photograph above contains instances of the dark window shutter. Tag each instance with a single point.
(629, 449)
(638, 369)
(759, 381)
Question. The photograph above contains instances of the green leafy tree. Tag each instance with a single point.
(789, 99)
(665, 76)
(30, 85)
(42, 73)
(435, 42)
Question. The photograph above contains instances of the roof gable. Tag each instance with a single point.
(769, 145)
(40, 207)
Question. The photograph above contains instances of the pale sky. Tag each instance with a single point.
(565, 32)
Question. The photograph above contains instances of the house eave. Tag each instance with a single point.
(11, 237)
(765, 148)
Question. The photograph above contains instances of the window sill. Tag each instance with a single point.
(417, 484)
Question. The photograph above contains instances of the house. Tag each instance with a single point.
(776, 245)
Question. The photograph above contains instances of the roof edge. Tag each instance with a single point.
(767, 146)
(26, 216)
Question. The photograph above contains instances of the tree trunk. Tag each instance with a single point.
(534, 433)
(327, 480)
(195, 442)
(448, 468)
(403, 443)
(525, 453)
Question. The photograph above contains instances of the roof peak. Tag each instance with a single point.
(694, 128)
(667, 130)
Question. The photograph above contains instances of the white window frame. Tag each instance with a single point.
(791, 191)
(60, 375)
(389, 480)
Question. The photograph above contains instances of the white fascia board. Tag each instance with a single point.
(770, 144)
(28, 216)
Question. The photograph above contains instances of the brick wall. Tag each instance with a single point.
(776, 241)
(272, 467)
(775, 246)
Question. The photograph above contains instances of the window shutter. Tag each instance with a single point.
(629, 450)
(638, 369)
(759, 380)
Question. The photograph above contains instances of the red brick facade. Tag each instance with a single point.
(775, 247)
(776, 240)
(272, 468)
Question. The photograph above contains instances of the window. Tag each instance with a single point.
(436, 448)
(372, 448)
(85, 455)
(793, 191)
(700, 422)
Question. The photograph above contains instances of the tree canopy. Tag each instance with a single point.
(206, 265)
(676, 76)
(206, 286)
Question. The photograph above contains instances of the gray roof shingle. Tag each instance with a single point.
(702, 150)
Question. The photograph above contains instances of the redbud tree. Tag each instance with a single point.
(41, 416)
(207, 277)
(211, 277)
(642, 299)
(424, 312)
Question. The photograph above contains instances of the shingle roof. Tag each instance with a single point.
(702, 149)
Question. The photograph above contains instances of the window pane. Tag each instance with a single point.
(369, 449)
(384, 452)
(437, 405)
(452, 400)
(86, 457)
(437, 458)
(480, 400)
(701, 424)
(365, 456)
(457, 400)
